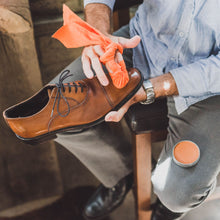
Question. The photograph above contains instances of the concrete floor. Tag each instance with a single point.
(70, 206)
(209, 210)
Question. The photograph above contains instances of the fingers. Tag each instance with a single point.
(116, 116)
(90, 58)
(129, 43)
(118, 57)
(98, 50)
(96, 65)
(86, 66)
(91, 54)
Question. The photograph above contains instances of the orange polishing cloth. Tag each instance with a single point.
(77, 33)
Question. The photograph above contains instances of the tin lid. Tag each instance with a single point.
(186, 153)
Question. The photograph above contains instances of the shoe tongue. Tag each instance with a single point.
(50, 91)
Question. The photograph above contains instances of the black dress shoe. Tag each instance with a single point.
(160, 212)
(105, 200)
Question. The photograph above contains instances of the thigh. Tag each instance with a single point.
(181, 189)
(200, 124)
(75, 69)
(76, 66)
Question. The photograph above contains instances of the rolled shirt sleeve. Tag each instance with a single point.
(199, 78)
(109, 3)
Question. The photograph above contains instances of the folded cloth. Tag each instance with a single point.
(77, 33)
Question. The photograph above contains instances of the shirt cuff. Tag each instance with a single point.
(109, 3)
(190, 80)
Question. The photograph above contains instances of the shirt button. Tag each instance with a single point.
(181, 34)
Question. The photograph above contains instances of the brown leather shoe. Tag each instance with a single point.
(67, 106)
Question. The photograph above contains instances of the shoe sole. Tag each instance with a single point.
(52, 135)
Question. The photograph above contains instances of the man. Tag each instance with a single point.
(179, 57)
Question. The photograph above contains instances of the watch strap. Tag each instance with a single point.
(148, 88)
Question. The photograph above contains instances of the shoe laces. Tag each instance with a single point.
(61, 88)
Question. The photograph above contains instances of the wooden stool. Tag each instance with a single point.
(148, 124)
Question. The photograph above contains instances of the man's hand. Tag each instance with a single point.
(91, 55)
(116, 116)
(163, 85)
(99, 16)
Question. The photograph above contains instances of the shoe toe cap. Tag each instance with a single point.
(92, 210)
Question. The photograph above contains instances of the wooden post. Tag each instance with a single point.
(142, 169)
(26, 174)
(120, 18)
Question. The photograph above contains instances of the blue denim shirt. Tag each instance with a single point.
(181, 37)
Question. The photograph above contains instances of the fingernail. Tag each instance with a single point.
(90, 75)
(105, 83)
(109, 118)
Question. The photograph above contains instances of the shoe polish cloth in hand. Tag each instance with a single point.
(77, 33)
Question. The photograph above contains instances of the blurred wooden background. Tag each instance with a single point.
(29, 58)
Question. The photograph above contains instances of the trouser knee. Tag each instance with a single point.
(179, 195)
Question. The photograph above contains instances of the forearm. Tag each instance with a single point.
(164, 85)
(99, 16)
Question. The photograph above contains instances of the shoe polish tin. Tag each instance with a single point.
(186, 153)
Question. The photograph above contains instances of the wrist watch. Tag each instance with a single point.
(149, 89)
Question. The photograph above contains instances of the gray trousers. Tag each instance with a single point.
(106, 149)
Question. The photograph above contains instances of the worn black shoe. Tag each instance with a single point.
(105, 200)
(160, 212)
